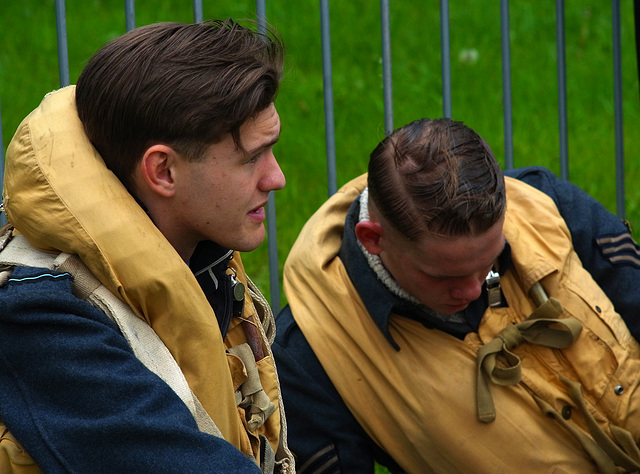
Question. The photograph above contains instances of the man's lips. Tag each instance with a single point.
(258, 213)
(459, 306)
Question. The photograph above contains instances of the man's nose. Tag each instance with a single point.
(273, 179)
(468, 289)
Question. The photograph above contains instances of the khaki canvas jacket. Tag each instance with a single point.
(60, 196)
(419, 404)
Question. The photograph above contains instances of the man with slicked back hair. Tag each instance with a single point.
(443, 317)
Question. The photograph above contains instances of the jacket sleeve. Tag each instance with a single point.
(323, 434)
(77, 398)
(602, 241)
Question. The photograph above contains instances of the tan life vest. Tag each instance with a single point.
(419, 403)
(46, 161)
(13, 458)
(147, 346)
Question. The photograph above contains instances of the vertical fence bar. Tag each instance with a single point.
(63, 51)
(1, 149)
(617, 99)
(387, 79)
(261, 14)
(198, 15)
(327, 81)
(636, 19)
(445, 53)
(506, 84)
(562, 91)
(130, 14)
(272, 231)
(3, 217)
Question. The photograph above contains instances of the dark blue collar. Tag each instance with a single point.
(209, 264)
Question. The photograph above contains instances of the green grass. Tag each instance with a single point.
(28, 69)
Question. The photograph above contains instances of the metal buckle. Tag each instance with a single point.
(494, 294)
(237, 291)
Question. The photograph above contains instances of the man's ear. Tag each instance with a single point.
(369, 234)
(157, 169)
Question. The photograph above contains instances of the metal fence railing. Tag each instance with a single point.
(387, 68)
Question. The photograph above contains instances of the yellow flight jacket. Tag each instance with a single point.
(83, 209)
(574, 410)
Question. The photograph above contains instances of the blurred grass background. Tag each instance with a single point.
(29, 69)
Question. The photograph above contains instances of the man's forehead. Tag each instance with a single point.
(458, 256)
(260, 131)
(266, 120)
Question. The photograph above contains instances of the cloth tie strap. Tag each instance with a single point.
(251, 396)
(542, 328)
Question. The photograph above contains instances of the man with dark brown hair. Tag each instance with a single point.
(132, 339)
(442, 319)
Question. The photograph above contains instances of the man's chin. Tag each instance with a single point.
(451, 308)
(250, 243)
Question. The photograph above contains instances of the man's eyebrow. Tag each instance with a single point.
(262, 146)
(504, 245)
(441, 277)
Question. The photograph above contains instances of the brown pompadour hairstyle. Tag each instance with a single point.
(436, 177)
(183, 85)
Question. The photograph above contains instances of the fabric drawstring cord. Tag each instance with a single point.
(251, 396)
(542, 328)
